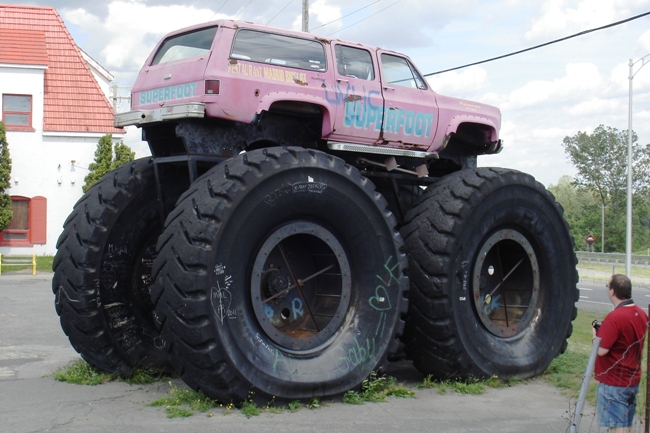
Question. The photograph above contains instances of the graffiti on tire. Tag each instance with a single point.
(221, 297)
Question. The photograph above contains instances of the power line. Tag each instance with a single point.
(344, 16)
(369, 16)
(281, 10)
(542, 45)
(242, 9)
(221, 7)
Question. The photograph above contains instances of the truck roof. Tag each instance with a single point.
(236, 24)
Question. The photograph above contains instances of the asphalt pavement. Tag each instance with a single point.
(33, 346)
(594, 295)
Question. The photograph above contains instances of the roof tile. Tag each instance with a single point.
(74, 102)
(23, 47)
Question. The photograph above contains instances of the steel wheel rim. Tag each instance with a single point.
(300, 286)
(506, 283)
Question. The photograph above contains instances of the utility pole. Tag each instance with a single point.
(305, 15)
(116, 98)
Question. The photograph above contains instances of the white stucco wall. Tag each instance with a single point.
(42, 162)
(45, 168)
(25, 80)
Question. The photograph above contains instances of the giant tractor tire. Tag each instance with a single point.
(280, 274)
(102, 272)
(493, 277)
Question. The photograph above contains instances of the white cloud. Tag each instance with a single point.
(645, 41)
(564, 17)
(320, 13)
(594, 107)
(467, 80)
(126, 31)
(580, 80)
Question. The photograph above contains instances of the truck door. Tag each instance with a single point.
(356, 95)
(410, 108)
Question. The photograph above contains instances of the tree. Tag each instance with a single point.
(580, 210)
(5, 175)
(106, 160)
(601, 162)
(123, 154)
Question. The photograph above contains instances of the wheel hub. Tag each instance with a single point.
(277, 282)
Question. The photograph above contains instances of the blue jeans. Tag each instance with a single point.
(616, 405)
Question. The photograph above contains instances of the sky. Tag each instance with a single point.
(544, 95)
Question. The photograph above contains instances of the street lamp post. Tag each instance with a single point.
(628, 222)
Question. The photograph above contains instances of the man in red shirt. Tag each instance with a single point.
(618, 366)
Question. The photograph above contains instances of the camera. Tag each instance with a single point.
(596, 324)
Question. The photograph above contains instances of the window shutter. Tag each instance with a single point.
(38, 229)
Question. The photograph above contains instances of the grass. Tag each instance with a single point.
(294, 406)
(637, 271)
(468, 386)
(377, 389)
(81, 373)
(43, 264)
(184, 402)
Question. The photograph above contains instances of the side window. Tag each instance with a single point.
(274, 49)
(400, 72)
(187, 45)
(28, 222)
(354, 62)
(17, 111)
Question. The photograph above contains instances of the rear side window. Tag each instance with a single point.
(280, 50)
(187, 45)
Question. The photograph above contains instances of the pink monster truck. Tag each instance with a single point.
(312, 209)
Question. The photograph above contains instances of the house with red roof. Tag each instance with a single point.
(55, 109)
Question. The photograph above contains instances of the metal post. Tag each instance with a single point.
(305, 15)
(628, 221)
(114, 98)
(585, 384)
